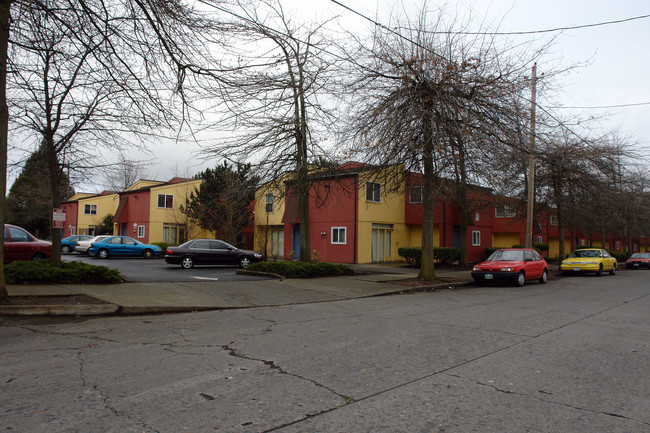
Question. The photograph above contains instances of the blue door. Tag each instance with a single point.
(295, 241)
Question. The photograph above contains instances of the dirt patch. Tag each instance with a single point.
(55, 300)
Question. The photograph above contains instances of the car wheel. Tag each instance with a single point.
(187, 263)
(613, 271)
(65, 249)
(37, 256)
(103, 253)
(521, 279)
(244, 262)
(544, 278)
(599, 273)
(147, 254)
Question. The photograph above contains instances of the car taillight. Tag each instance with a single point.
(169, 251)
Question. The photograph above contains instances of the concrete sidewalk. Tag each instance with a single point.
(140, 298)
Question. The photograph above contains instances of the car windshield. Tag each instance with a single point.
(585, 253)
(507, 256)
(98, 238)
(640, 256)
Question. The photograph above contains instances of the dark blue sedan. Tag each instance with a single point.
(68, 244)
(123, 246)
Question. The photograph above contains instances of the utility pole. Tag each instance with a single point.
(531, 163)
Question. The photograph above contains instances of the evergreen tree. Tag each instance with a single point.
(222, 202)
(29, 203)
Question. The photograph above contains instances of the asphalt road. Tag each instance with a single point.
(139, 269)
(569, 356)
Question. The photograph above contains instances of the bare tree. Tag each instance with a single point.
(425, 98)
(95, 71)
(123, 174)
(275, 105)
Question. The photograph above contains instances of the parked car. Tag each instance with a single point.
(22, 245)
(68, 244)
(83, 246)
(512, 265)
(638, 260)
(589, 260)
(209, 252)
(123, 246)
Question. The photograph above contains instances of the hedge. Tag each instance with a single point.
(290, 269)
(413, 255)
(44, 272)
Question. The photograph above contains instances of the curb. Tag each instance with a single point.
(58, 310)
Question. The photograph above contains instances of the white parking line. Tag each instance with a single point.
(206, 278)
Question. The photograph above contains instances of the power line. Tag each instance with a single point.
(596, 107)
(531, 32)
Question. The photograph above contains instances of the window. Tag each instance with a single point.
(553, 220)
(202, 245)
(476, 238)
(373, 192)
(166, 201)
(173, 234)
(140, 231)
(339, 235)
(415, 194)
(539, 239)
(476, 216)
(90, 209)
(277, 242)
(504, 211)
(269, 203)
(72, 231)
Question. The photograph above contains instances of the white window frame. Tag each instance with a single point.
(476, 238)
(415, 188)
(141, 231)
(373, 189)
(477, 216)
(165, 201)
(89, 208)
(339, 231)
(553, 220)
(507, 211)
(539, 239)
(72, 230)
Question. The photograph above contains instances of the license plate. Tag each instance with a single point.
(636, 265)
(489, 276)
(576, 269)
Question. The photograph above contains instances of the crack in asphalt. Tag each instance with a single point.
(105, 398)
(522, 394)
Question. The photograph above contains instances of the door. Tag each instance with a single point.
(295, 241)
(381, 242)
(457, 237)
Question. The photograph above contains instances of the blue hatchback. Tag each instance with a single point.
(123, 246)
(68, 244)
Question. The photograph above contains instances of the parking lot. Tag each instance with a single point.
(138, 269)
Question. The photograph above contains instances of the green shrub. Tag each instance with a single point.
(43, 272)
(301, 269)
(162, 245)
(413, 255)
(517, 246)
(619, 256)
(541, 247)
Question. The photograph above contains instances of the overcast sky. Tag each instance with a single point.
(618, 56)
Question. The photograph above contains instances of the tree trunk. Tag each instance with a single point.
(427, 271)
(4, 129)
(55, 181)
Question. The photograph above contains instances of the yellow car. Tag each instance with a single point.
(589, 260)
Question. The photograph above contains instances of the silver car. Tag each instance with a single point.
(82, 246)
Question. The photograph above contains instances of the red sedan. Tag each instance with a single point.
(638, 260)
(512, 265)
(21, 245)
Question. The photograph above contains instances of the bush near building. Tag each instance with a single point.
(301, 269)
(44, 272)
(413, 255)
